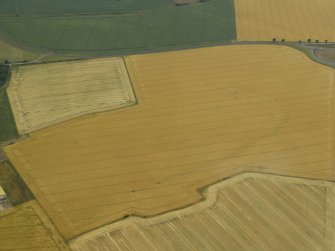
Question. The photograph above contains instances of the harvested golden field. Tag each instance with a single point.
(291, 20)
(42, 95)
(27, 227)
(246, 212)
(203, 115)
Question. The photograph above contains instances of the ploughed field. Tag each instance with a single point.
(202, 115)
(294, 20)
(246, 212)
(45, 94)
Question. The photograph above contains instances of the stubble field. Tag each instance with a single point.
(41, 95)
(294, 20)
(246, 212)
(203, 115)
(27, 227)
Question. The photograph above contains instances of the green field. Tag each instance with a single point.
(15, 188)
(63, 7)
(206, 23)
(7, 123)
(14, 54)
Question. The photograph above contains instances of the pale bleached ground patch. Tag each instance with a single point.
(45, 94)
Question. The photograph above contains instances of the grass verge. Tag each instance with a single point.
(13, 185)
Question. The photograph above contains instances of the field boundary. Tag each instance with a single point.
(44, 220)
(27, 125)
(209, 194)
(249, 165)
(102, 13)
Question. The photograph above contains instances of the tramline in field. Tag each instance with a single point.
(245, 212)
(291, 20)
(203, 115)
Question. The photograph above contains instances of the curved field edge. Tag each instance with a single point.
(210, 195)
(200, 24)
(324, 55)
(311, 171)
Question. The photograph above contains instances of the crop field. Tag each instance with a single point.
(246, 212)
(45, 94)
(28, 228)
(291, 20)
(202, 115)
(178, 27)
(14, 54)
(16, 190)
(8, 129)
(75, 7)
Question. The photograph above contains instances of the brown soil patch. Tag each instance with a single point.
(326, 55)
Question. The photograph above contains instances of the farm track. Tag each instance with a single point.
(89, 171)
(246, 212)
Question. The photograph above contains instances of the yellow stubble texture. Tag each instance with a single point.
(203, 115)
(292, 20)
(46, 94)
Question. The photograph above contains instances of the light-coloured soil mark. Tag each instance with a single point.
(45, 94)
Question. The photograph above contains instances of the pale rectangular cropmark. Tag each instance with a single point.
(45, 94)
